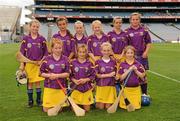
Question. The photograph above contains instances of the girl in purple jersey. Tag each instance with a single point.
(82, 76)
(95, 40)
(79, 37)
(138, 36)
(132, 89)
(34, 48)
(65, 36)
(54, 68)
(105, 81)
(118, 40)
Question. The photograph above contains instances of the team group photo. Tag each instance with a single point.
(117, 67)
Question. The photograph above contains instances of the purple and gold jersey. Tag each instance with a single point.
(68, 43)
(82, 70)
(34, 49)
(138, 38)
(50, 65)
(105, 68)
(118, 41)
(83, 40)
(134, 80)
(94, 44)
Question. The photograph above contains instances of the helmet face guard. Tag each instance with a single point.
(21, 77)
(145, 100)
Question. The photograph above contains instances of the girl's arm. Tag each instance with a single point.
(124, 75)
(21, 67)
(45, 75)
(140, 73)
(71, 55)
(62, 75)
(106, 75)
(77, 82)
(145, 54)
(84, 80)
(53, 76)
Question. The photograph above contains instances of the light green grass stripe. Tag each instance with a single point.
(158, 74)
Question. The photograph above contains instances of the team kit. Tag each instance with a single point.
(104, 70)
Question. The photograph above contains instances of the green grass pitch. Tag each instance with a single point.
(164, 59)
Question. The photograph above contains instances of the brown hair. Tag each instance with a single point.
(129, 47)
(64, 19)
(61, 19)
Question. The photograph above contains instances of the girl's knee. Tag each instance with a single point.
(45, 109)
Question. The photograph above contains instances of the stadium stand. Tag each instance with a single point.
(9, 23)
(105, 10)
(168, 33)
(154, 14)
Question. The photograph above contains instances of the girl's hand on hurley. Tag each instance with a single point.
(77, 82)
(52, 76)
(82, 81)
(133, 67)
(112, 74)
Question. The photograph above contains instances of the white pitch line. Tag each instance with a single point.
(158, 74)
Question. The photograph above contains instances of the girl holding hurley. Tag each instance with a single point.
(105, 81)
(54, 68)
(132, 90)
(82, 76)
(34, 48)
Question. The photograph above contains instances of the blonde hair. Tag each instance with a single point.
(117, 17)
(78, 23)
(56, 41)
(83, 46)
(129, 47)
(106, 44)
(97, 22)
(135, 14)
(34, 21)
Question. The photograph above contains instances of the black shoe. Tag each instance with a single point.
(39, 103)
(30, 104)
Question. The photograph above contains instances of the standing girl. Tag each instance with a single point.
(118, 40)
(65, 36)
(139, 38)
(106, 70)
(95, 41)
(132, 89)
(82, 76)
(54, 68)
(80, 36)
(34, 48)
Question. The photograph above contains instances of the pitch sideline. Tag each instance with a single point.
(158, 74)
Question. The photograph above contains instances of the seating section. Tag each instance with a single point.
(168, 33)
(9, 19)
